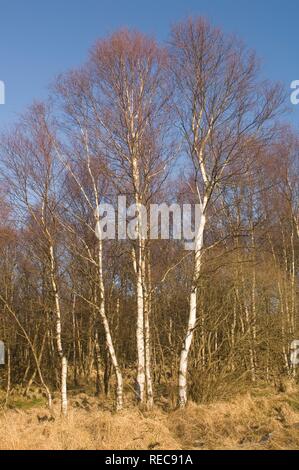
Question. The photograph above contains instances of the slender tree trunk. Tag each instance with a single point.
(31, 380)
(253, 301)
(97, 363)
(64, 401)
(148, 375)
(110, 346)
(74, 325)
(183, 370)
(146, 268)
(140, 329)
(293, 295)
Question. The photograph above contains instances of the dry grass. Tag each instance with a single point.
(85, 430)
(244, 423)
(253, 421)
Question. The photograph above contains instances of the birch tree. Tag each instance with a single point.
(83, 159)
(128, 73)
(33, 180)
(220, 106)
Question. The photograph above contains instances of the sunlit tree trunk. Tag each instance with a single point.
(119, 379)
(64, 365)
(148, 362)
(183, 370)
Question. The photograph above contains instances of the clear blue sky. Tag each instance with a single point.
(41, 38)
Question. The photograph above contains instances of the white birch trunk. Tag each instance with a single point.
(119, 379)
(183, 370)
(148, 375)
(146, 284)
(139, 254)
(64, 400)
(293, 297)
(140, 337)
(139, 261)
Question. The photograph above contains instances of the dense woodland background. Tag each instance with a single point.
(187, 121)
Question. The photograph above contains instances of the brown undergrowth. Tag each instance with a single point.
(258, 420)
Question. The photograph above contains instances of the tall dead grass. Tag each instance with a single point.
(244, 423)
(251, 421)
(84, 430)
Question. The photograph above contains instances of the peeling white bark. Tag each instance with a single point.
(183, 370)
(64, 400)
(111, 349)
(148, 375)
(140, 337)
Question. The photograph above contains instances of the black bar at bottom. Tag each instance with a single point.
(144, 459)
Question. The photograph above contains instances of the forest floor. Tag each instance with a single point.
(259, 420)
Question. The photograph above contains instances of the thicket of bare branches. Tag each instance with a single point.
(188, 122)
